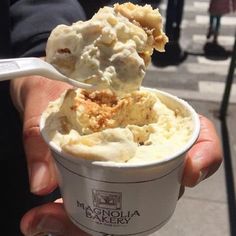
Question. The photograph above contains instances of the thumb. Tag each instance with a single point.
(205, 157)
(50, 218)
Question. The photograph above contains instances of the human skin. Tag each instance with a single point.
(31, 96)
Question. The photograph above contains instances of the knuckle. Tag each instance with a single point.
(30, 132)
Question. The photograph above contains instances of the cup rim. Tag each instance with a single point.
(109, 164)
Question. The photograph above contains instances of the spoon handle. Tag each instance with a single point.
(17, 67)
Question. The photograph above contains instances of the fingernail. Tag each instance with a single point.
(50, 226)
(42, 234)
(202, 176)
(39, 234)
(39, 176)
(198, 164)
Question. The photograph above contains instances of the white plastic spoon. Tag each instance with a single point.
(18, 67)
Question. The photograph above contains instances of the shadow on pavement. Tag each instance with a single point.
(214, 51)
(173, 55)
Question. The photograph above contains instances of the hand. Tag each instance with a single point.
(31, 96)
(202, 160)
(49, 219)
(205, 157)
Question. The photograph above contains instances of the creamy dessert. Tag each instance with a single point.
(111, 50)
(119, 122)
(98, 125)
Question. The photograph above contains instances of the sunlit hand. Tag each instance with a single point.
(205, 157)
(31, 96)
(49, 219)
(202, 160)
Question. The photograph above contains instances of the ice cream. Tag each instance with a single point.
(119, 122)
(98, 125)
(111, 50)
(114, 154)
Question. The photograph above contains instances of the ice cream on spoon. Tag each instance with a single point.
(111, 50)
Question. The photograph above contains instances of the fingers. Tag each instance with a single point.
(49, 219)
(36, 92)
(205, 157)
(42, 173)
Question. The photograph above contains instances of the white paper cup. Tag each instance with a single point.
(118, 198)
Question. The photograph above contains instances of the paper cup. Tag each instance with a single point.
(105, 198)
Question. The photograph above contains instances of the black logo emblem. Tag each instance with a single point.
(107, 200)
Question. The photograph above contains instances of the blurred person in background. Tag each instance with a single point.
(217, 9)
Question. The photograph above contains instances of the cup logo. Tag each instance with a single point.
(107, 200)
(106, 209)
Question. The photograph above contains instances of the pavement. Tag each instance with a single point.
(209, 208)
